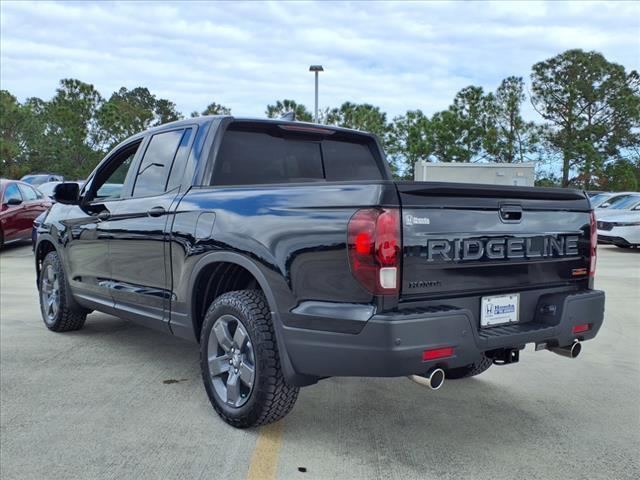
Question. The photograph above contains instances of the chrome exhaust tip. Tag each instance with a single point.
(434, 378)
(570, 351)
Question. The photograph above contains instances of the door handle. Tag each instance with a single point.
(104, 215)
(156, 212)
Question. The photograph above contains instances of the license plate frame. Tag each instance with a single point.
(498, 310)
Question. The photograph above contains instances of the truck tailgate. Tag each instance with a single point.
(462, 239)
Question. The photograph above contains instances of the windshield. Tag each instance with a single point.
(626, 202)
(599, 199)
(48, 188)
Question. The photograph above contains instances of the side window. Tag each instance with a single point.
(156, 164)
(109, 183)
(247, 157)
(28, 193)
(11, 192)
(180, 163)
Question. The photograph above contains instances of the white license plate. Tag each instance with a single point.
(499, 310)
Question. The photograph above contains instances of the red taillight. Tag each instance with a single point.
(581, 328)
(437, 353)
(374, 249)
(593, 247)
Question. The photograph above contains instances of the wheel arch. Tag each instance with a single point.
(199, 275)
(218, 264)
(44, 246)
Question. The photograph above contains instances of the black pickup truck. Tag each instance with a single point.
(288, 252)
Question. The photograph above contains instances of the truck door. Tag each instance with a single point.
(137, 228)
(87, 250)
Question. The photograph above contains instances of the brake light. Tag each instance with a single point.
(373, 238)
(437, 353)
(593, 247)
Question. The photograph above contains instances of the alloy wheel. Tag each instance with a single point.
(231, 361)
(50, 293)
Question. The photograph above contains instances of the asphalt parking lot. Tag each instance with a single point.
(115, 400)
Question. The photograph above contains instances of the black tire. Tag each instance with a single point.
(69, 315)
(270, 398)
(470, 370)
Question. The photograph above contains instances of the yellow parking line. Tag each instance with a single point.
(264, 461)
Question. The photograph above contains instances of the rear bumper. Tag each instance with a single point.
(392, 344)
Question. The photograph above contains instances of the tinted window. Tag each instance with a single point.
(28, 193)
(156, 164)
(349, 161)
(256, 158)
(111, 187)
(180, 163)
(11, 192)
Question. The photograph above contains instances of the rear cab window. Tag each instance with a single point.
(254, 154)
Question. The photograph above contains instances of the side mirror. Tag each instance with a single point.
(68, 193)
(14, 201)
(605, 205)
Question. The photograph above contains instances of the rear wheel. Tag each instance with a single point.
(240, 361)
(59, 311)
(470, 370)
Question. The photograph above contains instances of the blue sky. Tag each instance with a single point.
(400, 56)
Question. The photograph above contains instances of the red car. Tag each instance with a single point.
(20, 204)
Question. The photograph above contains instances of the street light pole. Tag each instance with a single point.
(316, 69)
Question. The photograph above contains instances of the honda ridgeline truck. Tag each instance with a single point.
(290, 254)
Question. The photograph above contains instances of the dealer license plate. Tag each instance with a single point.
(499, 310)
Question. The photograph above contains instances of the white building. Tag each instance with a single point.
(522, 174)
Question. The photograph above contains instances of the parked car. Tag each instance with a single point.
(599, 198)
(621, 229)
(612, 199)
(48, 188)
(20, 204)
(40, 178)
(619, 205)
(291, 255)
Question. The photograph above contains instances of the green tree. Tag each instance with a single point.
(213, 109)
(165, 111)
(619, 175)
(459, 134)
(131, 111)
(360, 116)
(13, 120)
(72, 133)
(285, 106)
(592, 107)
(508, 137)
(410, 141)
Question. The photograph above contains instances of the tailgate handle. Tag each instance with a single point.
(510, 213)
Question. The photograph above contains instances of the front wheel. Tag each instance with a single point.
(59, 311)
(240, 361)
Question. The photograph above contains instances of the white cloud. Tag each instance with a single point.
(245, 55)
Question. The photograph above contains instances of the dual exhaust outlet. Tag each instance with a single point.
(434, 378)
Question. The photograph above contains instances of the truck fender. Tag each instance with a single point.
(289, 372)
